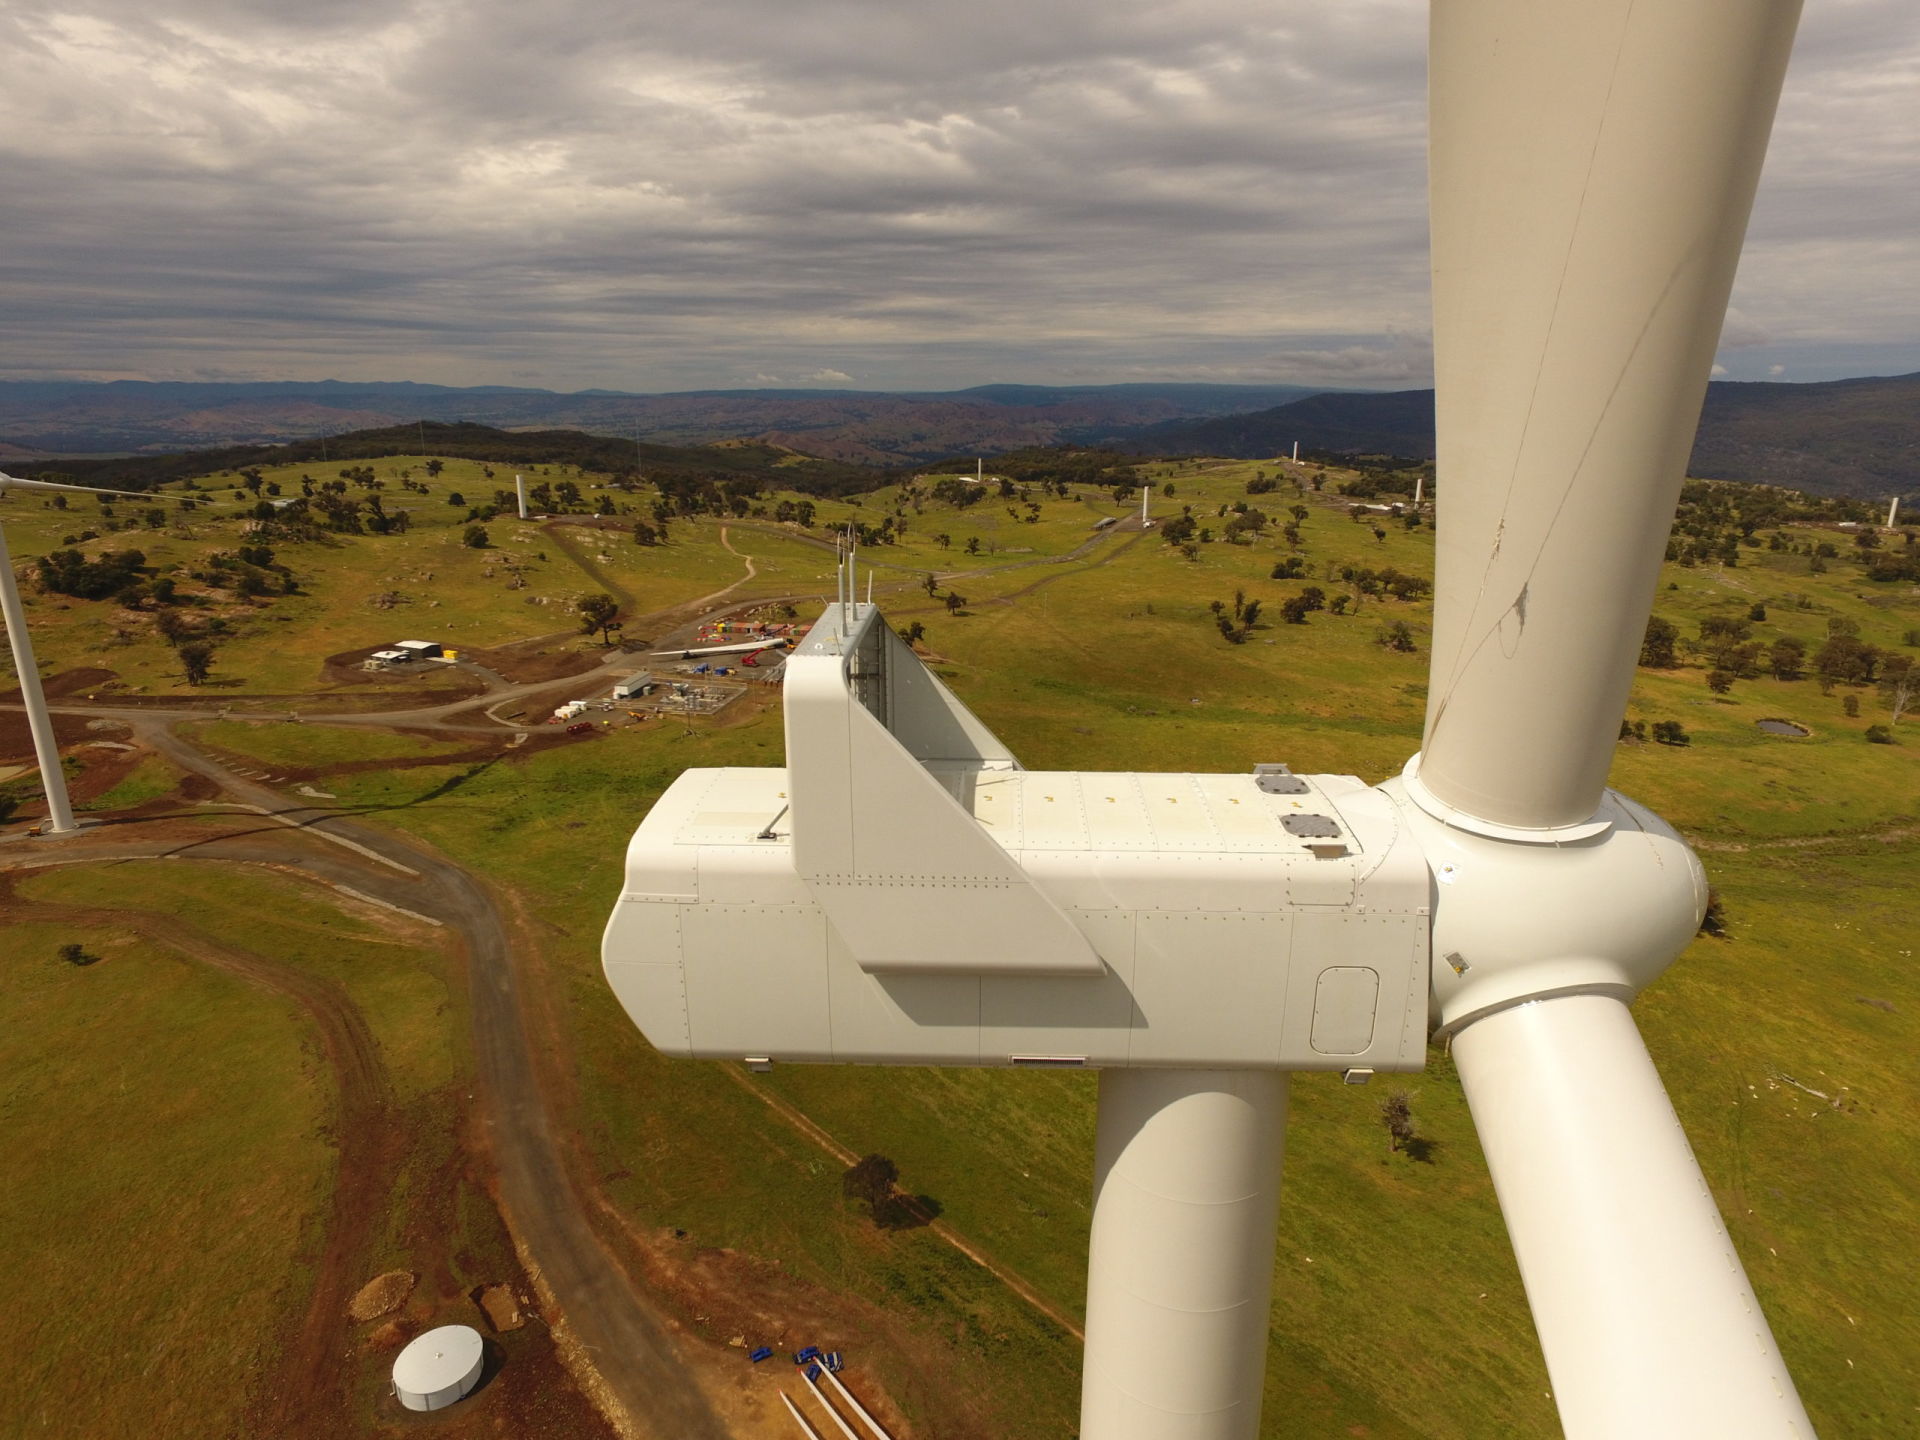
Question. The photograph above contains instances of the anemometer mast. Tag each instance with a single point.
(904, 892)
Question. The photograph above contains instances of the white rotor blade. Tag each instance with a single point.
(1592, 168)
(15, 482)
(1649, 1326)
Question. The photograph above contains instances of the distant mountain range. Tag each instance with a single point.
(1839, 437)
(608, 454)
(861, 427)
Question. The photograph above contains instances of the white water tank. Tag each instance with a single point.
(438, 1368)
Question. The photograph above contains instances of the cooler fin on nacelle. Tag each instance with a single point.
(881, 758)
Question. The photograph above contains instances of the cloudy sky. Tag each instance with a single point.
(889, 194)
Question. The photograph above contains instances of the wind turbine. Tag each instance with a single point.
(903, 892)
(45, 748)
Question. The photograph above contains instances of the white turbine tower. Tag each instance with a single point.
(46, 749)
(903, 892)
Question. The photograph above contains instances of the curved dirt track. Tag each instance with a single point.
(631, 1347)
(366, 1134)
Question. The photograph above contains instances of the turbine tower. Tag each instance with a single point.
(46, 749)
(904, 892)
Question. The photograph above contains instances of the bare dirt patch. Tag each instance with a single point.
(381, 1296)
(534, 662)
(447, 682)
(500, 1306)
(70, 683)
(16, 740)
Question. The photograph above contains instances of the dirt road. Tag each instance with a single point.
(628, 1342)
(365, 1130)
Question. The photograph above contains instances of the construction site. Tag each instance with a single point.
(717, 665)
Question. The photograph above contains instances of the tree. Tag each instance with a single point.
(196, 659)
(455, 498)
(1846, 659)
(174, 627)
(973, 544)
(1396, 1113)
(645, 534)
(76, 955)
(1397, 636)
(1657, 650)
(870, 1180)
(914, 633)
(1757, 613)
(954, 601)
(597, 612)
(1899, 683)
(68, 572)
(1670, 732)
(1787, 658)
(1720, 681)
(1880, 735)
(434, 467)
(476, 537)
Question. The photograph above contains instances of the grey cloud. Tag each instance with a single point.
(680, 194)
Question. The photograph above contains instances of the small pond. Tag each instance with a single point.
(1784, 727)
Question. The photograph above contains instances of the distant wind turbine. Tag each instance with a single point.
(46, 750)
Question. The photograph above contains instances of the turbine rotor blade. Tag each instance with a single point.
(1647, 1320)
(15, 482)
(1592, 166)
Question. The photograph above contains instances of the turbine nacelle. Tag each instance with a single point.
(1259, 920)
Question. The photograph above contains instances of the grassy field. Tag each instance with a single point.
(210, 1120)
(1398, 1311)
(358, 591)
(165, 1173)
(275, 743)
(149, 779)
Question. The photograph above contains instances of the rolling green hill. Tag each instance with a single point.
(1398, 1313)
